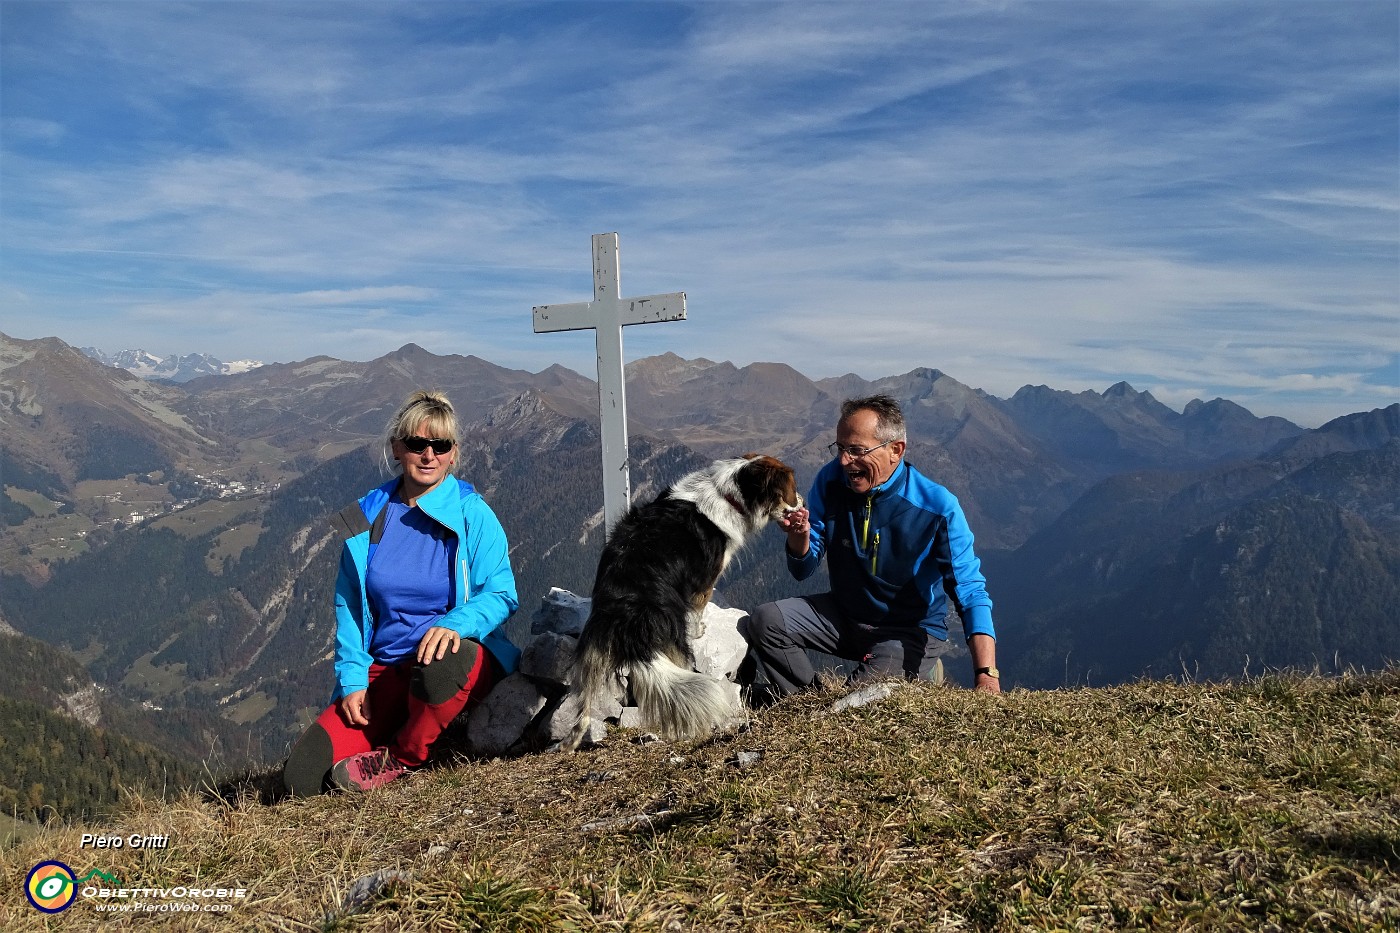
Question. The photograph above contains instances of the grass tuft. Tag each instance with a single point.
(1269, 804)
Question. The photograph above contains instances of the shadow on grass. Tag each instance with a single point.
(263, 784)
(1375, 846)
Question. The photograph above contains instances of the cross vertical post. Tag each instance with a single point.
(612, 387)
(606, 315)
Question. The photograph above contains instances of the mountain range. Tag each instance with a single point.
(177, 368)
(1120, 538)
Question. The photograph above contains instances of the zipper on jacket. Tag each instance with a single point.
(874, 553)
(865, 525)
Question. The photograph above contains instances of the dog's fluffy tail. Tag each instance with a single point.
(676, 702)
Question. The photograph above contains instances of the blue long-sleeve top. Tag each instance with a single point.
(896, 555)
(482, 586)
(409, 581)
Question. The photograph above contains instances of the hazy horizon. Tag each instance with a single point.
(590, 373)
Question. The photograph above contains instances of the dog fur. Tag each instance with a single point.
(657, 572)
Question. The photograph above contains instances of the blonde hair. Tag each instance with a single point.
(423, 407)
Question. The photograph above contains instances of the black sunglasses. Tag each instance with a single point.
(417, 445)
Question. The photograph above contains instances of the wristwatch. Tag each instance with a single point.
(989, 671)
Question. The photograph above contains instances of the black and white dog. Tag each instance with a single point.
(657, 572)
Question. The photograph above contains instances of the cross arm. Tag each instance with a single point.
(587, 315)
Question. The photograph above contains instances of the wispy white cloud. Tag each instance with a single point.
(1202, 198)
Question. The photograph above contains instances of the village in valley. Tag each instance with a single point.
(190, 504)
(211, 487)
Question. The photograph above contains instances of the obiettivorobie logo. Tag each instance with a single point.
(52, 886)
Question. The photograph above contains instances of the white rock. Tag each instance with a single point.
(863, 697)
(562, 612)
(746, 760)
(719, 648)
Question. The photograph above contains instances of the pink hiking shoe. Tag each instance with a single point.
(367, 770)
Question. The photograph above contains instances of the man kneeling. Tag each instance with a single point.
(897, 546)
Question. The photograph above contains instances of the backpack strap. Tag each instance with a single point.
(351, 521)
(376, 531)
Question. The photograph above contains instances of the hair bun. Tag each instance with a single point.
(428, 395)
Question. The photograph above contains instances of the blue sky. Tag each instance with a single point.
(1201, 198)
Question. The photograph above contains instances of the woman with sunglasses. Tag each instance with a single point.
(424, 586)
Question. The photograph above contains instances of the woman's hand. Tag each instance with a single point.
(436, 642)
(354, 708)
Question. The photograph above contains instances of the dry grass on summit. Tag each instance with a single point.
(1272, 804)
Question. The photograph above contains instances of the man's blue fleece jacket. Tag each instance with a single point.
(897, 555)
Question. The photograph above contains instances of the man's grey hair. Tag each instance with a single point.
(889, 418)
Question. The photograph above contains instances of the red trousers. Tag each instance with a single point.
(410, 704)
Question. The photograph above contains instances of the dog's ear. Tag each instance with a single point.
(750, 455)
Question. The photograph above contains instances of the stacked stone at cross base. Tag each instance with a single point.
(531, 709)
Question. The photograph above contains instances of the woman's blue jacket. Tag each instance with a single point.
(483, 586)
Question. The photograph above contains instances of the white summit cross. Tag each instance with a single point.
(606, 315)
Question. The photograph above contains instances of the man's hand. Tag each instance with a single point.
(436, 642)
(796, 525)
(354, 708)
(983, 649)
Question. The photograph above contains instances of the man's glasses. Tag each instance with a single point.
(855, 452)
(417, 445)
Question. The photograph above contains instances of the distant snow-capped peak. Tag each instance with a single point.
(171, 368)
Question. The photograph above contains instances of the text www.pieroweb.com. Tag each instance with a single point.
(163, 907)
(164, 900)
